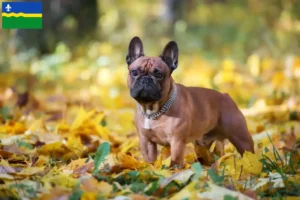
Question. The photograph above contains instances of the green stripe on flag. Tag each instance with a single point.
(22, 22)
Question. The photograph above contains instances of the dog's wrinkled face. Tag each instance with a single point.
(149, 78)
(146, 79)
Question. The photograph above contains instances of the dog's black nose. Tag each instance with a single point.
(146, 80)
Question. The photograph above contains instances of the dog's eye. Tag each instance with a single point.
(134, 73)
(158, 75)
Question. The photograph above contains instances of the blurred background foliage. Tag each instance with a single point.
(249, 49)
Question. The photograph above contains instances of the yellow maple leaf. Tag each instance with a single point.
(39, 126)
(92, 185)
(128, 145)
(55, 149)
(59, 179)
(19, 128)
(158, 162)
(233, 167)
(166, 161)
(163, 172)
(251, 163)
(165, 152)
(62, 128)
(75, 145)
(42, 160)
(81, 117)
(278, 78)
(74, 164)
(102, 131)
(2, 129)
(188, 192)
(89, 196)
(128, 162)
(190, 158)
(14, 128)
(31, 170)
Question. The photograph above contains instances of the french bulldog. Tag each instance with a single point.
(172, 114)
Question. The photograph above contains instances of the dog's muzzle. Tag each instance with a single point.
(145, 90)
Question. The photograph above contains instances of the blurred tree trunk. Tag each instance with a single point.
(177, 10)
(63, 20)
(215, 1)
(269, 10)
(4, 51)
(173, 13)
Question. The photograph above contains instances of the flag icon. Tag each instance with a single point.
(22, 15)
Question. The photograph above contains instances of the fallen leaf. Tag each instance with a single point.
(81, 117)
(89, 196)
(217, 192)
(129, 162)
(5, 168)
(158, 162)
(188, 192)
(30, 171)
(56, 178)
(180, 177)
(251, 163)
(92, 185)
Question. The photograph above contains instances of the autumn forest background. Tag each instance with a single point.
(66, 116)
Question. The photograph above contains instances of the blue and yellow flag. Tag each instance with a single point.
(22, 15)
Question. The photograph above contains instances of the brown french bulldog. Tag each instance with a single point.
(171, 114)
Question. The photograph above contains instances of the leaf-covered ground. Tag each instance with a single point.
(67, 131)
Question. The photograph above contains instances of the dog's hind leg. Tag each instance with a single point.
(234, 126)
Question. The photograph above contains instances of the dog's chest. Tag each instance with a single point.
(155, 131)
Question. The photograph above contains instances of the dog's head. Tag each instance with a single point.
(149, 78)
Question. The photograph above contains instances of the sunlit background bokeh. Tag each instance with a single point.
(249, 49)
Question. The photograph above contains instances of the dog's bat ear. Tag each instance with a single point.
(135, 50)
(170, 55)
